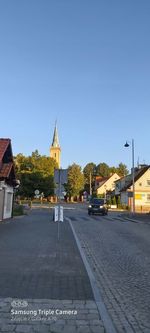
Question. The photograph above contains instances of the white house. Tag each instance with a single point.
(124, 189)
(107, 184)
(7, 179)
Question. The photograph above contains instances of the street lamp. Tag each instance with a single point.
(133, 182)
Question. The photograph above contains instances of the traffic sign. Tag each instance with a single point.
(36, 192)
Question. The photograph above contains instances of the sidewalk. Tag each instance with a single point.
(48, 276)
(136, 217)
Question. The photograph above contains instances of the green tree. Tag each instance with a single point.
(75, 182)
(103, 170)
(113, 200)
(118, 202)
(35, 172)
(122, 170)
(113, 170)
(89, 171)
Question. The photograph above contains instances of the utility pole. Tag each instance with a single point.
(90, 184)
(133, 181)
(59, 195)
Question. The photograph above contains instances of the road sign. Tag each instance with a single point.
(61, 176)
(61, 214)
(58, 214)
(36, 192)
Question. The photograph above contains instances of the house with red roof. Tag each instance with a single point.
(103, 185)
(7, 179)
(124, 189)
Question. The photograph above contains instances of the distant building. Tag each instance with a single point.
(7, 179)
(55, 149)
(124, 189)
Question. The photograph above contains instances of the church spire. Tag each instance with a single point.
(55, 142)
(55, 149)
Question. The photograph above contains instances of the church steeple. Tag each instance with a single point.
(55, 142)
(55, 150)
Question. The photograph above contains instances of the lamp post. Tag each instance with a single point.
(133, 182)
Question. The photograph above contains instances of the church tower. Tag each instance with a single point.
(55, 150)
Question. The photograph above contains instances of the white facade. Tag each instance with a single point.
(6, 197)
(142, 191)
(108, 185)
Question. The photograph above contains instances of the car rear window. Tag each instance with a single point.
(98, 201)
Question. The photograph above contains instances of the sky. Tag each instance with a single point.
(85, 63)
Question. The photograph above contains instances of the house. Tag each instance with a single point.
(124, 189)
(7, 179)
(106, 184)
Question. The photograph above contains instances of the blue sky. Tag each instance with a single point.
(85, 63)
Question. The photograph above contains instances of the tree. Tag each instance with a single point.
(113, 170)
(35, 172)
(122, 170)
(113, 200)
(75, 182)
(89, 171)
(103, 170)
(89, 168)
(118, 202)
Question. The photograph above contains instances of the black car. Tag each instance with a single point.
(98, 206)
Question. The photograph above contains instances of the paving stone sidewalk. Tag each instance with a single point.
(50, 316)
(48, 274)
(136, 217)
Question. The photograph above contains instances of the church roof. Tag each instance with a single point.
(55, 142)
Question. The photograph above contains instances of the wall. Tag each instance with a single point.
(8, 201)
(124, 198)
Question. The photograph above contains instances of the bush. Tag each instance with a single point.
(113, 201)
(101, 196)
(18, 210)
(118, 202)
(109, 201)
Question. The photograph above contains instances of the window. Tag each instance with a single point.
(148, 182)
(140, 184)
(148, 197)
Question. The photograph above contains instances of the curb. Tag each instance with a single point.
(108, 323)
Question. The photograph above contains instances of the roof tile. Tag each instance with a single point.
(6, 169)
(3, 146)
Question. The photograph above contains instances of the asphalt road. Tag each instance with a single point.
(119, 253)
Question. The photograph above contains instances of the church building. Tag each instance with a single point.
(55, 150)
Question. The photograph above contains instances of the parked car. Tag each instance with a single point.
(97, 206)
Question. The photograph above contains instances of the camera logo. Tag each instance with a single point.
(19, 303)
